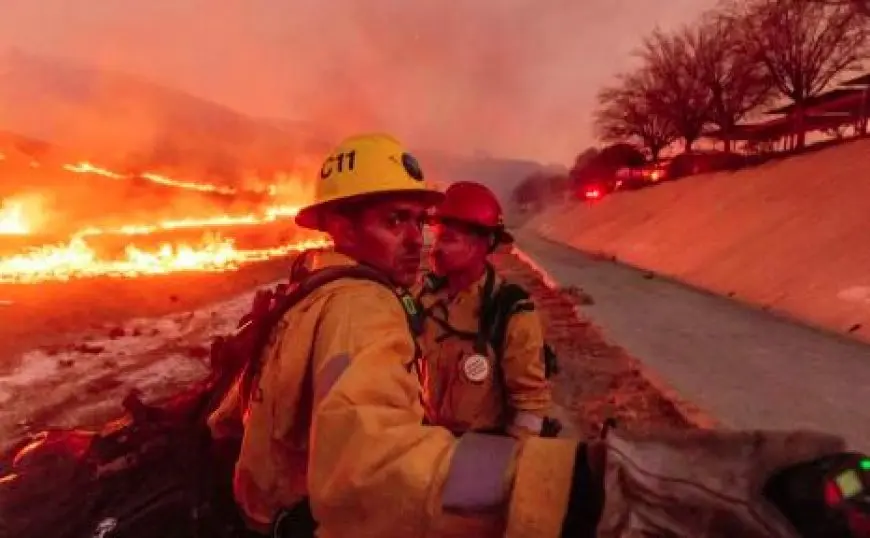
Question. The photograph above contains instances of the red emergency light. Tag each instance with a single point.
(593, 193)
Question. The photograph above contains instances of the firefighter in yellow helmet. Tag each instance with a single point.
(371, 198)
(482, 339)
(336, 420)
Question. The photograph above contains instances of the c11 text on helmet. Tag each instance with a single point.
(335, 163)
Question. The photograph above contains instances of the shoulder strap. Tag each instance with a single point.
(511, 299)
(432, 283)
(298, 291)
(505, 302)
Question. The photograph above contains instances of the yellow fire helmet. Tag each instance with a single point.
(366, 165)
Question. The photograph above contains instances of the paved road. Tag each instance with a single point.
(747, 368)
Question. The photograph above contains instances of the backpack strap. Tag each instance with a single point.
(508, 300)
(511, 299)
(432, 283)
(264, 324)
(486, 316)
(496, 309)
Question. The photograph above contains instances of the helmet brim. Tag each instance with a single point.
(502, 236)
(311, 217)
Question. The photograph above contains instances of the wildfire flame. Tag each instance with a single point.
(12, 219)
(85, 167)
(20, 214)
(76, 258)
(271, 214)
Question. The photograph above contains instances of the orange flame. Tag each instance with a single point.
(20, 215)
(12, 220)
(271, 214)
(77, 258)
(85, 167)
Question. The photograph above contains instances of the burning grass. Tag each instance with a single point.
(37, 249)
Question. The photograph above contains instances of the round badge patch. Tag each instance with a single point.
(412, 167)
(476, 368)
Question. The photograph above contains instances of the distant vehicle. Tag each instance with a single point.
(597, 188)
(642, 176)
(703, 162)
(685, 164)
(593, 192)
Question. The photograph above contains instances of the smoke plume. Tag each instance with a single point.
(505, 77)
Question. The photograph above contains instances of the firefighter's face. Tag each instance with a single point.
(388, 235)
(457, 248)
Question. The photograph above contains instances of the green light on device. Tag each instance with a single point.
(849, 484)
(864, 465)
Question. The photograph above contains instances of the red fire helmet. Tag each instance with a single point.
(475, 205)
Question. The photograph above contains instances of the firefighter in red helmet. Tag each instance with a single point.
(482, 339)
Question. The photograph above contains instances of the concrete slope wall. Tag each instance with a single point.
(792, 235)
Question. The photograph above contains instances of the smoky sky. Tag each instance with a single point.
(505, 77)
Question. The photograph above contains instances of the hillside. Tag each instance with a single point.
(99, 113)
(792, 235)
(500, 175)
(126, 122)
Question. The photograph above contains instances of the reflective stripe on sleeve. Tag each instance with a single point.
(529, 421)
(328, 376)
(476, 478)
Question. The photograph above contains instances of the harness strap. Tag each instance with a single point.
(265, 322)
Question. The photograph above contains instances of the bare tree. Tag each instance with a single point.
(680, 98)
(626, 113)
(736, 82)
(804, 45)
(861, 6)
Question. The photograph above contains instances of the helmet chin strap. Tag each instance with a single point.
(493, 243)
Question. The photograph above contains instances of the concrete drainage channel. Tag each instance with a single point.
(598, 380)
(747, 368)
(692, 414)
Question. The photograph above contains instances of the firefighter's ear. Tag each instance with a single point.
(341, 228)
